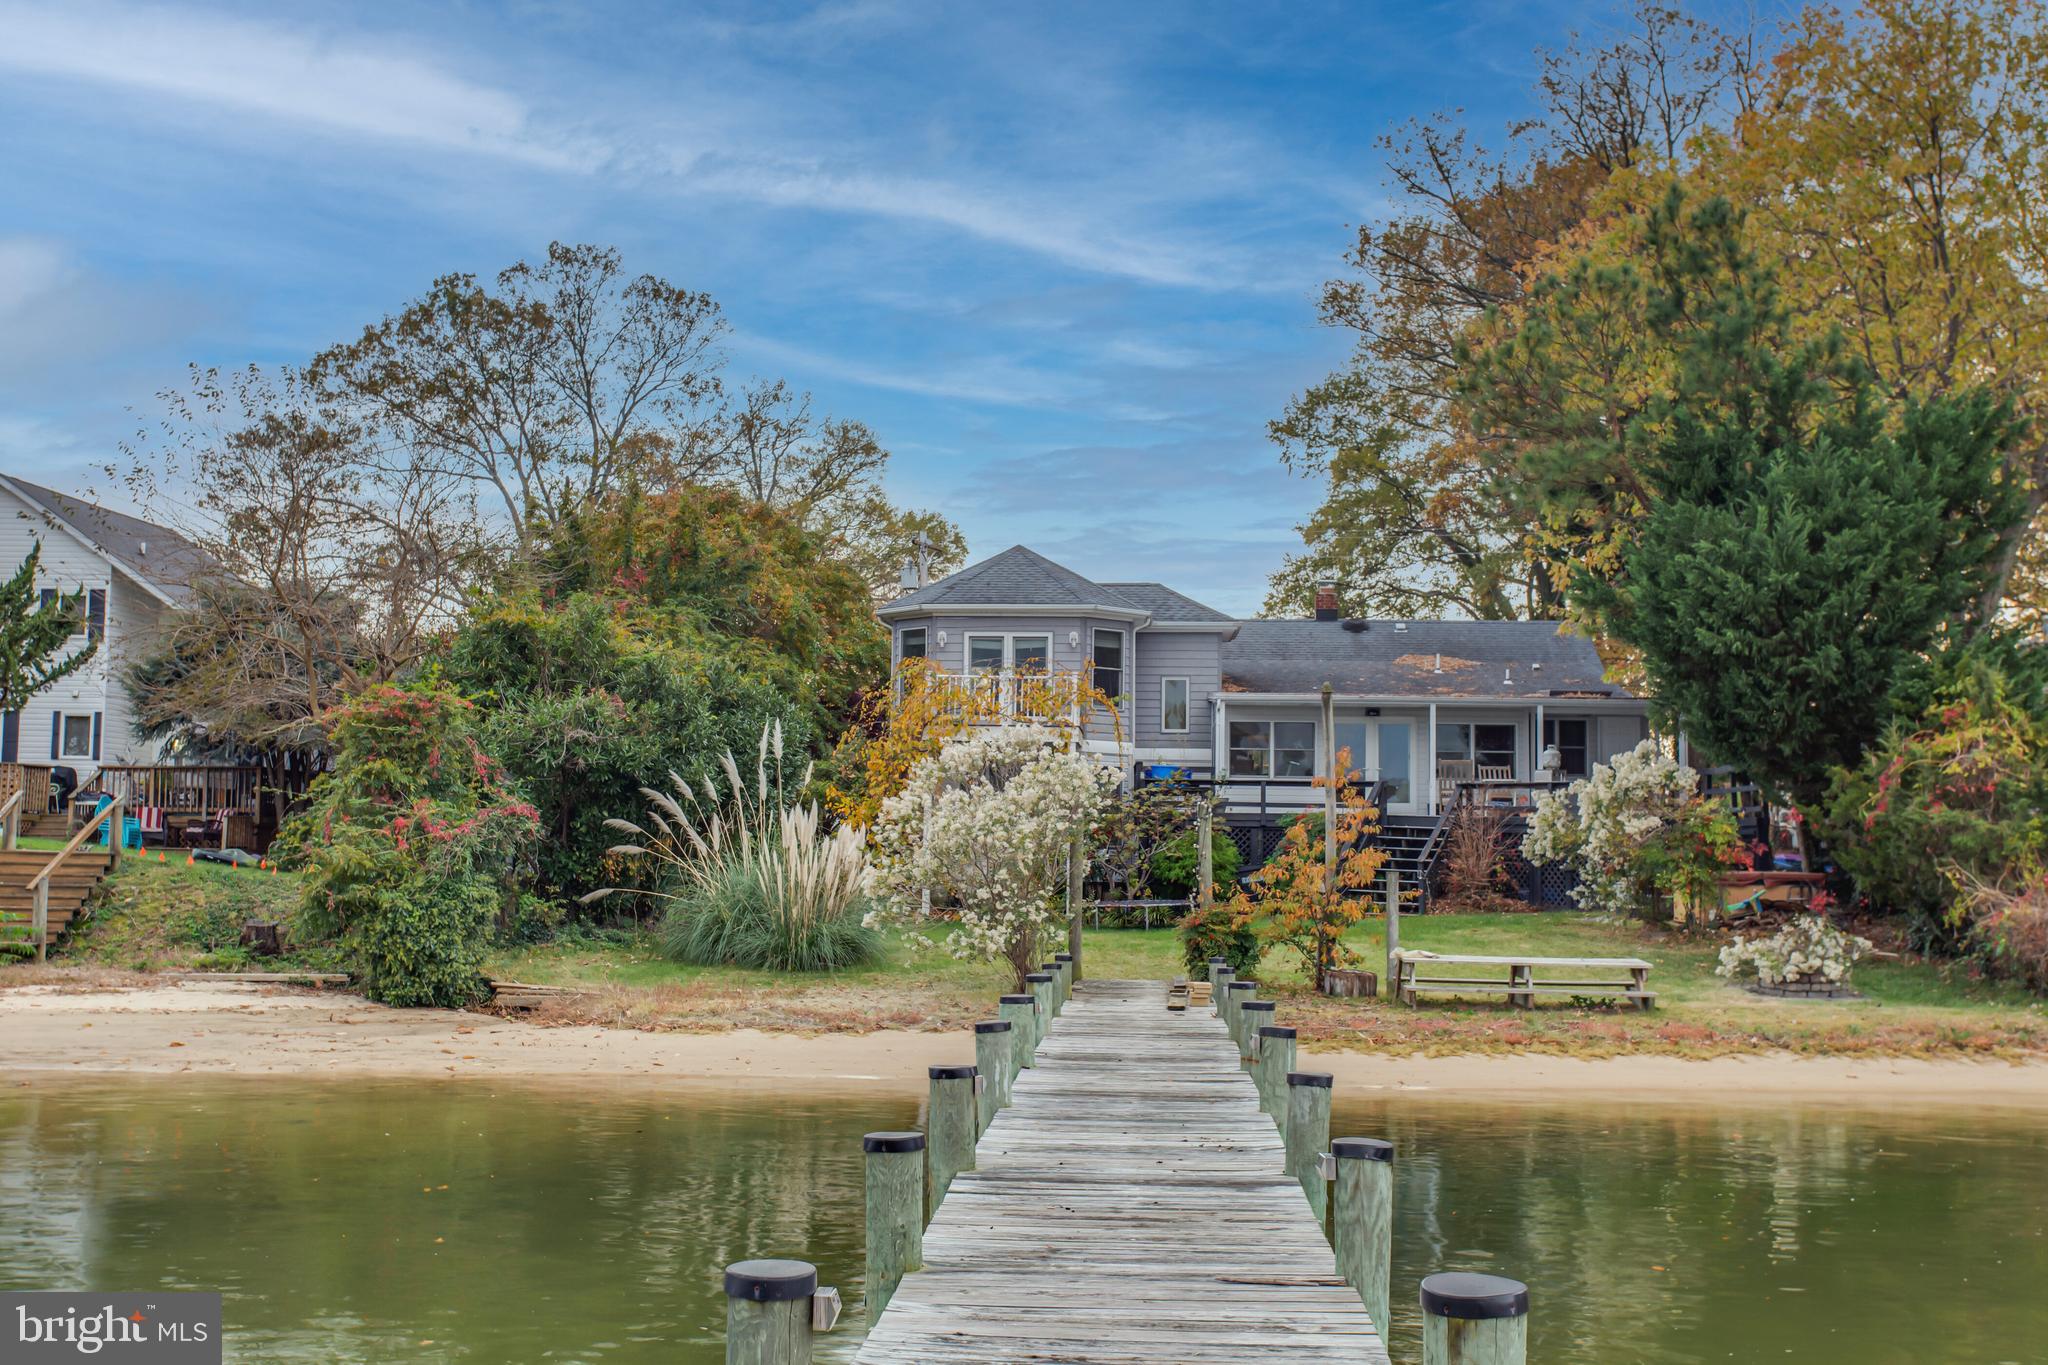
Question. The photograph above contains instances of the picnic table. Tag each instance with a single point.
(1520, 985)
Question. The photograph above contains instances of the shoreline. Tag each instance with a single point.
(227, 1029)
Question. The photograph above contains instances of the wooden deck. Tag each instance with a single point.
(1130, 1206)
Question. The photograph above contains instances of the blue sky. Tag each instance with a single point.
(1062, 259)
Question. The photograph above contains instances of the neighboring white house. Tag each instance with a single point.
(127, 572)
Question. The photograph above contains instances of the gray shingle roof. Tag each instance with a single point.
(1167, 605)
(1476, 659)
(1017, 577)
(154, 554)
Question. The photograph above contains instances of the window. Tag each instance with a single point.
(96, 613)
(1251, 748)
(1494, 745)
(1173, 705)
(74, 604)
(1351, 741)
(984, 654)
(1273, 748)
(77, 737)
(1487, 746)
(1109, 662)
(1569, 735)
(910, 644)
(1294, 748)
(1031, 654)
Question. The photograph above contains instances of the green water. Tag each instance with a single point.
(464, 1222)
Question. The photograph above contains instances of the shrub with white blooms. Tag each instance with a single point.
(986, 825)
(1808, 948)
(1604, 824)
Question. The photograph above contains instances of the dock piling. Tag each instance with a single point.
(1066, 970)
(1056, 1000)
(1363, 1225)
(1474, 1320)
(1308, 1135)
(1020, 1010)
(1219, 994)
(768, 1312)
(1276, 1059)
(1040, 984)
(1255, 1015)
(992, 1052)
(951, 1125)
(895, 1187)
(1233, 1013)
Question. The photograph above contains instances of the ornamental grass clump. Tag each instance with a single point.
(1808, 949)
(750, 879)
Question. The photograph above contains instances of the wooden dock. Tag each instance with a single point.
(1130, 1206)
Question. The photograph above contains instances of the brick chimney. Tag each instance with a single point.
(1326, 599)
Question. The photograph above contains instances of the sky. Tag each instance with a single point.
(1063, 259)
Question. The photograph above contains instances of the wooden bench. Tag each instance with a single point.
(1520, 985)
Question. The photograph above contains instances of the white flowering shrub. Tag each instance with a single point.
(985, 826)
(1608, 827)
(1808, 948)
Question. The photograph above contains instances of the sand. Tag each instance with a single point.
(217, 1028)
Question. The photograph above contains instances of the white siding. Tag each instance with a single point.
(69, 565)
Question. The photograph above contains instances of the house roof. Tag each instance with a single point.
(155, 556)
(1018, 577)
(1164, 604)
(1521, 659)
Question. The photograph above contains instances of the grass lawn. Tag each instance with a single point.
(1910, 1009)
(154, 916)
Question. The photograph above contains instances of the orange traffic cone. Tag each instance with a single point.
(188, 860)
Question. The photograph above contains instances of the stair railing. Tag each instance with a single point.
(108, 815)
(10, 820)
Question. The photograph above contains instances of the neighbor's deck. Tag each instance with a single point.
(1130, 1206)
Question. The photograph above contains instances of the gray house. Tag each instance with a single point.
(1426, 706)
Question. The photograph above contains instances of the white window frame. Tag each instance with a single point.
(925, 643)
(1187, 707)
(1125, 676)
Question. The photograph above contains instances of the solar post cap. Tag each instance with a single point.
(1362, 1149)
(1322, 1080)
(892, 1142)
(951, 1073)
(771, 1281)
(1259, 1005)
(1015, 999)
(995, 1025)
(1038, 976)
(1276, 1030)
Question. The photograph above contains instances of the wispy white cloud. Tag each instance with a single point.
(982, 381)
(345, 85)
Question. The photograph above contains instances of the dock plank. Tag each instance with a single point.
(1130, 1207)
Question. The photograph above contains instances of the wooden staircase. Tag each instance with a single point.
(71, 885)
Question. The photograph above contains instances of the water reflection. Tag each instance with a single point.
(1700, 1233)
(465, 1222)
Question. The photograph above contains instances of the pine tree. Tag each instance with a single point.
(1807, 538)
(31, 634)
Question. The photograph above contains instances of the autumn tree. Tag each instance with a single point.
(549, 388)
(1296, 901)
(323, 570)
(1803, 539)
(1418, 520)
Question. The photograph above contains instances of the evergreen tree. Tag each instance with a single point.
(1806, 539)
(31, 634)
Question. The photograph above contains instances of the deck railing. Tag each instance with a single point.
(10, 820)
(32, 781)
(200, 789)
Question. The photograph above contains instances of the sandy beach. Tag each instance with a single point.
(217, 1028)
